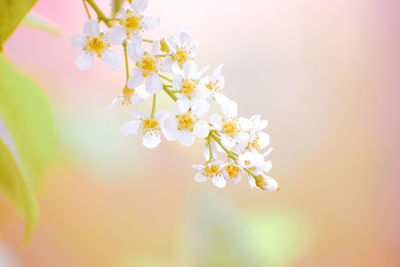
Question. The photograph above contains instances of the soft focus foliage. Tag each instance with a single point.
(11, 14)
(17, 188)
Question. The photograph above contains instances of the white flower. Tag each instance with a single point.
(130, 96)
(188, 83)
(210, 171)
(214, 149)
(94, 43)
(264, 182)
(215, 83)
(186, 123)
(181, 45)
(246, 160)
(147, 68)
(149, 128)
(232, 172)
(132, 23)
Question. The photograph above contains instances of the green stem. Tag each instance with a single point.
(87, 9)
(209, 147)
(153, 109)
(165, 78)
(99, 13)
(147, 41)
(126, 61)
(169, 92)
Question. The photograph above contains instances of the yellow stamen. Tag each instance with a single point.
(189, 86)
(211, 171)
(150, 125)
(148, 64)
(230, 126)
(232, 171)
(186, 121)
(96, 45)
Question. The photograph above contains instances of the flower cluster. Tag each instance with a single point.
(234, 146)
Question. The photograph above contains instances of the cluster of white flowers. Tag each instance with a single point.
(168, 65)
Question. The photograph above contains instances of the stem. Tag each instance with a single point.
(169, 92)
(230, 153)
(165, 78)
(99, 13)
(87, 9)
(209, 147)
(126, 62)
(147, 41)
(153, 109)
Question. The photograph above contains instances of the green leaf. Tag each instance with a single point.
(27, 116)
(11, 14)
(41, 23)
(116, 6)
(15, 186)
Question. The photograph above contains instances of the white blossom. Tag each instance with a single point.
(132, 23)
(186, 123)
(94, 43)
(210, 171)
(149, 127)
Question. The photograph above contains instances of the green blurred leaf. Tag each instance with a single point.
(11, 14)
(116, 6)
(280, 237)
(15, 186)
(28, 118)
(41, 23)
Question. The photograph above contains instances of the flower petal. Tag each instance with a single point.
(153, 84)
(131, 127)
(263, 140)
(139, 5)
(190, 69)
(151, 139)
(114, 102)
(91, 28)
(170, 128)
(216, 121)
(111, 59)
(151, 23)
(78, 41)
(200, 108)
(200, 177)
(201, 129)
(135, 51)
(116, 35)
(84, 61)
(186, 138)
(219, 181)
(272, 185)
(135, 78)
(181, 106)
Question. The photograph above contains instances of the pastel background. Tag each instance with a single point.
(325, 74)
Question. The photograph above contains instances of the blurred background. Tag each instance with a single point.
(325, 74)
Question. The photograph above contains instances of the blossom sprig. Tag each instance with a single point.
(234, 146)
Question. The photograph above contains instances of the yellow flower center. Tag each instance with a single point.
(214, 86)
(127, 94)
(211, 171)
(230, 126)
(254, 143)
(96, 45)
(232, 171)
(133, 22)
(186, 121)
(164, 46)
(182, 55)
(150, 125)
(148, 64)
(189, 86)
